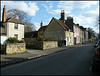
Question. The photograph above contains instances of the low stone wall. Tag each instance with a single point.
(42, 45)
(13, 48)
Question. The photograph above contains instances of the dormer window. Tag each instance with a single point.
(16, 26)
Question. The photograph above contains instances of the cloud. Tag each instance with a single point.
(84, 4)
(68, 6)
(30, 8)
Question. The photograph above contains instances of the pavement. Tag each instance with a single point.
(30, 54)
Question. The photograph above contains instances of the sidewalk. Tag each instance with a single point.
(30, 54)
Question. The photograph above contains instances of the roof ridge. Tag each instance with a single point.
(13, 19)
(61, 24)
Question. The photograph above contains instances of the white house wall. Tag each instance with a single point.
(11, 31)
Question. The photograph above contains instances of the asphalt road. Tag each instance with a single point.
(73, 61)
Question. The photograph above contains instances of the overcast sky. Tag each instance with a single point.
(85, 13)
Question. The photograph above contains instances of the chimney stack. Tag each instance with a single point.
(4, 14)
(41, 24)
(62, 15)
(70, 19)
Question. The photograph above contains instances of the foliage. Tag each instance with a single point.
(41, 38)
(91, 32)
(12, 40)
(27, 40)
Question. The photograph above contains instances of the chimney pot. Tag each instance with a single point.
(4, 14)
(41, 24)
(62, 15)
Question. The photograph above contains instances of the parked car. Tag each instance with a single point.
(97, 43)
(96, 57)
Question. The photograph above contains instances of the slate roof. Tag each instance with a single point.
(43, 28)
(63, 25)
(14, 20)
(82, 28)
(32, 34)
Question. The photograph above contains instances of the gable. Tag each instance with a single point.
(54, 26)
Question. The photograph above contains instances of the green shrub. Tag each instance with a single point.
(12, 40)
(40, 38)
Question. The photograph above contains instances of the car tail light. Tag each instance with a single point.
(98, 52)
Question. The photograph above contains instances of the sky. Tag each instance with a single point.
(85, 13)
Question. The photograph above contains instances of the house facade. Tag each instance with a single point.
(76, 34)
(12, 27)
(75, 28)
(57, 30)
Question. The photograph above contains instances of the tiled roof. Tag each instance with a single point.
(31, 34)
(63, 25)
(14, 20)
(42, 28)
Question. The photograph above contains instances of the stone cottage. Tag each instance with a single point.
(12, 27)
(57, 30)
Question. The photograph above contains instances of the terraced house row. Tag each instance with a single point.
(56, 30)
(62, 28)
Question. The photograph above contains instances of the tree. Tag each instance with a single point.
(22, 16)
(91, 33)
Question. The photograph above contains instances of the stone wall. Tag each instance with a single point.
(54, 31)
(42, 45)
(13, 48)
(50, 44)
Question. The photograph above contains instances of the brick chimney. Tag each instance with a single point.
(62, 15)
(41, 24)
(4, 14)
(70, 19)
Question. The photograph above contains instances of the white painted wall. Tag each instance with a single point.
(3, 39)
(2, 30)
(11, 31)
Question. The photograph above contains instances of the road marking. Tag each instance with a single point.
(91, 66)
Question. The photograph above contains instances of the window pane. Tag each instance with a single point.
(16, 26)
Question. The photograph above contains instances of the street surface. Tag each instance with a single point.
(73, 61)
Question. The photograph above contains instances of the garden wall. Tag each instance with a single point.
(42, 45)
(13, 48)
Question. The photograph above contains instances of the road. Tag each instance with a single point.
(73, 61)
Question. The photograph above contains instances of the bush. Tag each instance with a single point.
(12, 39)
(40, 38)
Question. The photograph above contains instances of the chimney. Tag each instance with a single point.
(4, 14)
(70, 19)
(41, 24)
(62, 15)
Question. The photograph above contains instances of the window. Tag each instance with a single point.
(16, 26)
(16, 36)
